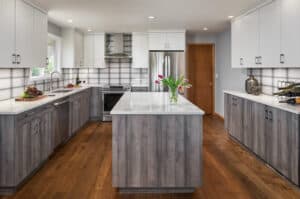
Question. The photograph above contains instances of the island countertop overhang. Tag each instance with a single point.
(153, 103)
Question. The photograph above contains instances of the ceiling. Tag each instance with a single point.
(132, 15)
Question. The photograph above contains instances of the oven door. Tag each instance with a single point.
(110, 99)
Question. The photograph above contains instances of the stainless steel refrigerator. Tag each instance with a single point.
(166, 63)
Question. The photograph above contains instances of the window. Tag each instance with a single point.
(53, 57)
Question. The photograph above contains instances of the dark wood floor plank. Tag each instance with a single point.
(82, 169)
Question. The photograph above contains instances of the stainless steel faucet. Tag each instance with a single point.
(51, 79)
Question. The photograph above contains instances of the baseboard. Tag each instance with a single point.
(218, 116)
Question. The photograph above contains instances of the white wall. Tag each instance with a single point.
(201, 38)
(226, 77)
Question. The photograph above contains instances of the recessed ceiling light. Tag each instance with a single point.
(89, 30)
(230, 17)
(70, 20)
(205, 29)
(151, 17)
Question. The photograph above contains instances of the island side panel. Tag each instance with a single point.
(157, 151)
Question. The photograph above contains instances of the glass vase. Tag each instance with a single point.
(173, 95)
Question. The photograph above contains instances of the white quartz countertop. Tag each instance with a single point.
(267, 100)
(11, 107)
(153, 103)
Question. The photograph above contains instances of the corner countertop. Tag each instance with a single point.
(267, 100)
(11, 107)
(153, 103)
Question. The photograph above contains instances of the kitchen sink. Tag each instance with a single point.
(62, 91)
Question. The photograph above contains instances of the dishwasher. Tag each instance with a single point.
(61, 118)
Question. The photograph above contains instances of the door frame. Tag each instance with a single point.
(213, 67)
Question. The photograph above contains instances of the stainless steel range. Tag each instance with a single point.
(110, 97)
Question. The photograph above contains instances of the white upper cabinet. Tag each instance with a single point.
(40, 34)
(269, 35)
(167, 41)
(250, 42)
(72, 48)
(24, 34)
(89, 42)
(78, 48)
(237, 44)
(7, 39)
(140, 52)
(290, 33)
(94, 50)
(99, 50)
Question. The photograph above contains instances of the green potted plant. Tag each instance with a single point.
(174, 85)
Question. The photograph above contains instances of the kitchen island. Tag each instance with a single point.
(157, 146)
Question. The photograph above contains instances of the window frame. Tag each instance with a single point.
(57, 61)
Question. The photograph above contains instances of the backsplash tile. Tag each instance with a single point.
(13, 81)
(269, 78)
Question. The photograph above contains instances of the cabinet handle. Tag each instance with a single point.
(270, 116)
(29, 114)
(13, 58)
(61, 103)
(47, 61)
(282, 58)
(18, 59)
(256, 60)
(260, 60)
(241, 61)
(266, 114)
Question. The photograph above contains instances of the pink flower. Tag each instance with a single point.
(180, 89)
(157, 82)
(161, 76)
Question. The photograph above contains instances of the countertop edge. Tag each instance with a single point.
(285, 107)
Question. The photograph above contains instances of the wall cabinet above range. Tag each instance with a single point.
(167, 40)
(24, 35)
(94, 50)
(267, 37)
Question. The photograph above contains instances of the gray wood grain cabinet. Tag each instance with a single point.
(79, 110)
(33, 141)
(234, 115)
(96, 105)
(272, 134)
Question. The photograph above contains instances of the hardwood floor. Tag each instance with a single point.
(82, 170)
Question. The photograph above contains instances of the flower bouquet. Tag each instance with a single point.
(174, 85)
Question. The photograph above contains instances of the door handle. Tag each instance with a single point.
(61, 103)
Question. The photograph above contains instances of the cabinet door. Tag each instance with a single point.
(248, 122)
(140, 53)
(96, 104)
(237, 48)
(175, 41)
(89, 58)
(283, 143)
(47, 134)
(36, 130)
(75, 114)
(23, 152)
(99, 51)
(260, 126)
(24, 34)
(157, 41)
(250, 32)
(40, 38)
(7, 39)
(78, 45)
(290, 30)
(269, 34)
(234, 115)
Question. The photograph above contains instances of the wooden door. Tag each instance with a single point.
(200, 73)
